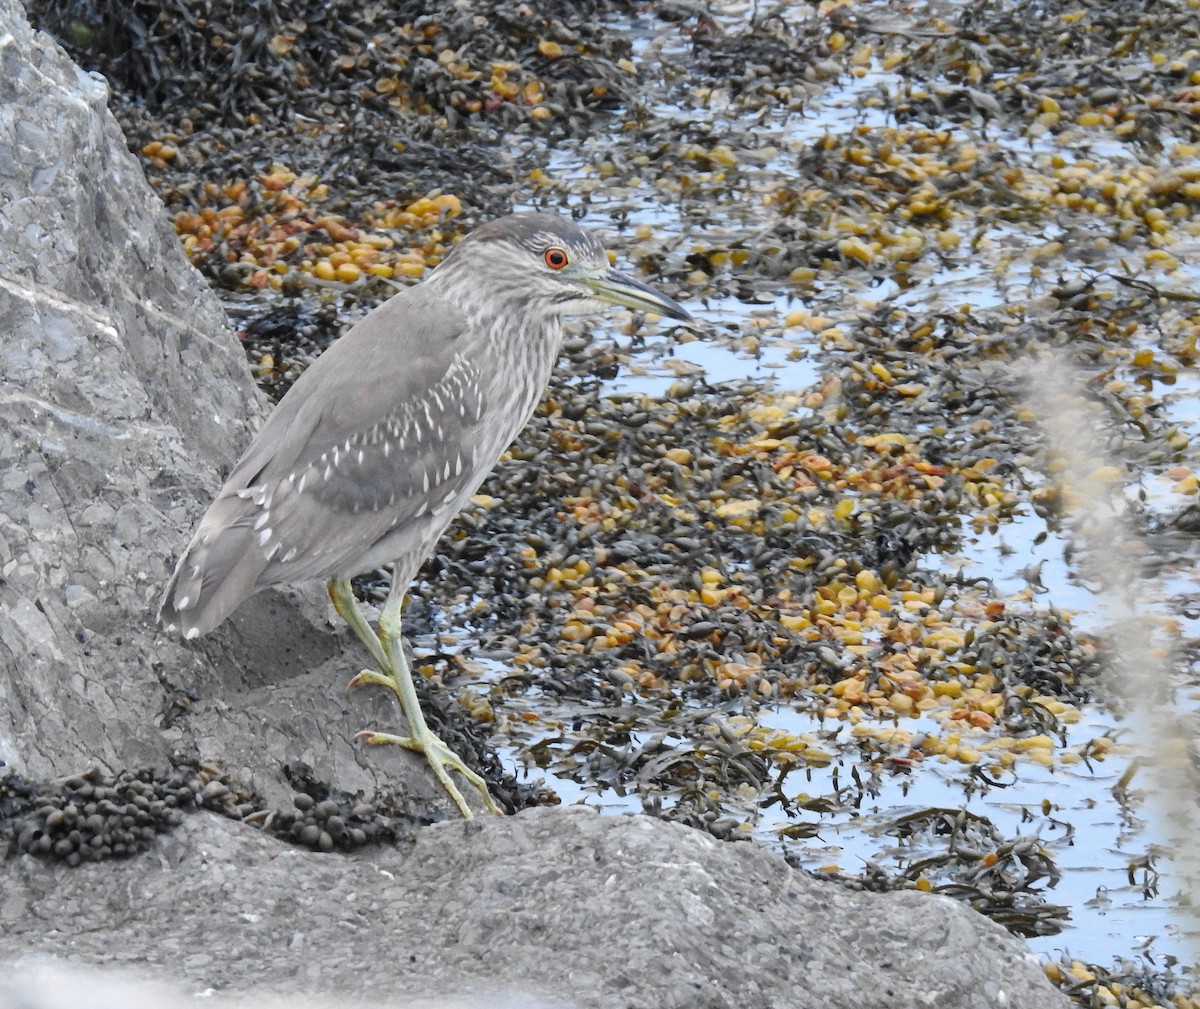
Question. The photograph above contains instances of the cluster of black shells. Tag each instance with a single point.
(329, 824)
(92, 817)
(95, 816)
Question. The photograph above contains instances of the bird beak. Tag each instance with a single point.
(619, 289)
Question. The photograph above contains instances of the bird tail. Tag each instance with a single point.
(219, 569)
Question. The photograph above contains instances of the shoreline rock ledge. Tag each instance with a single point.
(552, 907)
(123, 397)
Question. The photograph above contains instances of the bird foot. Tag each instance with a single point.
(440, 757)
(387, 649)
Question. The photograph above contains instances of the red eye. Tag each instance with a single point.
(555, 258)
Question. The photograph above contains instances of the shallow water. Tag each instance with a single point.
(1118, 914)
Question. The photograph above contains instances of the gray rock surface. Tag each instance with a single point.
(122, 400)
(106, 436)
(565, 906)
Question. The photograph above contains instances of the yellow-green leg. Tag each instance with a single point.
(387, 649)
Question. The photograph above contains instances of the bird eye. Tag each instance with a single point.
(555, 258)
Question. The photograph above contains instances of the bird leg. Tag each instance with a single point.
(387, 648)
(346, 605)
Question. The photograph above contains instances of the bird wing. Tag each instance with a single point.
(377, 439)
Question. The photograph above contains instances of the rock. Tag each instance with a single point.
(561, 905)
(124, 398)
(106, 438)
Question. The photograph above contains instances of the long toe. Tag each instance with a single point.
(441, 760)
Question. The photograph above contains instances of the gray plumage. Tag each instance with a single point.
(387, 434)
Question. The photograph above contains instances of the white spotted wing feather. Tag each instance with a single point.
(365, 460)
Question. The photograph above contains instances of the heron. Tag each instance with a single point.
(386, 436)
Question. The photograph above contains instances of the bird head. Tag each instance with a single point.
(546, 263)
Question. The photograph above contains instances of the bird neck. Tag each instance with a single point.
(524, 354)
(515, 342)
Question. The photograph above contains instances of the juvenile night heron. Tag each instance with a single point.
(388, 433)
